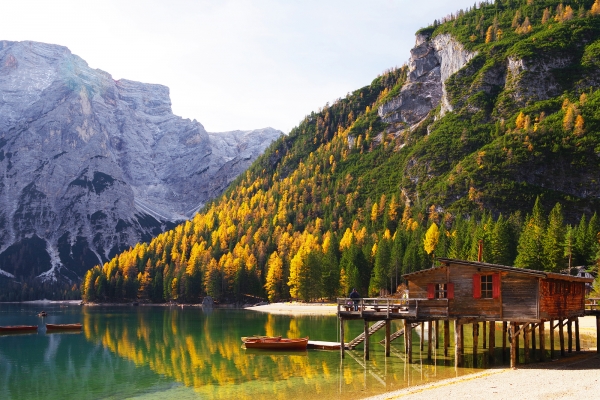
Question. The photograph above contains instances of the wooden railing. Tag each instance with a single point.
(593, 303)
(388, 306)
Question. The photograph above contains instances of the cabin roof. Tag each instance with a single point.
(498, 267)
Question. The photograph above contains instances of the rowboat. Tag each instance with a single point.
(63, 326)
(276, 343)
(18, 328)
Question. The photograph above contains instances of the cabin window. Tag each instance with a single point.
(440, 291)
(486, 287)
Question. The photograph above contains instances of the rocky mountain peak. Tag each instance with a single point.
(90, 166)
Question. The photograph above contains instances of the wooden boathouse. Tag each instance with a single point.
(466, 292)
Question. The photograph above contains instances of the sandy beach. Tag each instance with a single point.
(294, 308)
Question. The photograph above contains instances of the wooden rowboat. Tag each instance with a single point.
(18, 328)
(63, 326)
(276, 343)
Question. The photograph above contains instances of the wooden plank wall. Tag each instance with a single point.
(464, 304)
(561, 298)
(519, 296)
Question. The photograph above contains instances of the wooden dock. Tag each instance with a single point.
(321, 345)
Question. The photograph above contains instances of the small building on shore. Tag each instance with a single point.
(490, 292)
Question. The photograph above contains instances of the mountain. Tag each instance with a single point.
(90, 166)
(490, 133)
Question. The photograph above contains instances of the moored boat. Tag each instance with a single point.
(63, 326)
(18, 328)
(276, 343)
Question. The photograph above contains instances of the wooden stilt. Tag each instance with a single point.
(422, 339)
(429, 338)
(458, 340)
(526, 329)
(504, 329)
(533, 342)
(484, 334)
(446, 337)
(366, 348)
(408, 337)
(551, 339)
(492, 347)
(475, 342)
(598, 333)
(577, 342)
(388, 324)
(513, 345)
(542, 341)
(342, 343)
(561, 337)
(436, 325)
(570, 334)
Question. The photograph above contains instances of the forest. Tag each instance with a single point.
(345, 200)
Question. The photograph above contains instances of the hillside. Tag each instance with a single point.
(490, 133)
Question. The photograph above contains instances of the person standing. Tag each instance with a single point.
(355, 298)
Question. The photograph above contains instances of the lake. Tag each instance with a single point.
(192, 353)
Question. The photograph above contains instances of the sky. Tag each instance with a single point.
(234, 64)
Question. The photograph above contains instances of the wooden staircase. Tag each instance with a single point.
(360, 338)
(397, 334)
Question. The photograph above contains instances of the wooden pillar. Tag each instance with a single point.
(514, 347)
(408, 337)
(492, 347)
(366, 348)
(504, 329)
(446, 337)
(429, 337)
(533, 342)
(526, 329)
(570, 334)
(577, 342)
(387, 337)
(458, 342)
(484, 334)
(598, 333)
(542, 340)
(342, 337)
(405, 338)
(551, 339)
(437, 335)
(475, 342)
(422, 340)
(561, 337)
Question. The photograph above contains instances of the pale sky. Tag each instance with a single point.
(234, 64)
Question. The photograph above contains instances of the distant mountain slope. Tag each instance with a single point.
(497, 108)
(90, 166)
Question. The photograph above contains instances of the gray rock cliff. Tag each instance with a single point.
(90, 166)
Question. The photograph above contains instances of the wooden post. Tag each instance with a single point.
(429, 337)
(342, 337)
(514, 348)
(577, 342)
(437, 336)
(458, 341)
(504, 329)
(366, 348)
(561, 337)
(422, 339)
(570, 334)
(446, 337)
(492, 347)
(484, 334)
(598, 333)
(551, 339)
(408, 338)
(542, 340)
(533, 341)
(475, 342)
(405, 338)
(388, 324)
(526, 329)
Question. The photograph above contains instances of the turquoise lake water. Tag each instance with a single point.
(190, 353)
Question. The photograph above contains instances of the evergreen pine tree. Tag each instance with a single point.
(530, 249)
(553, 241)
